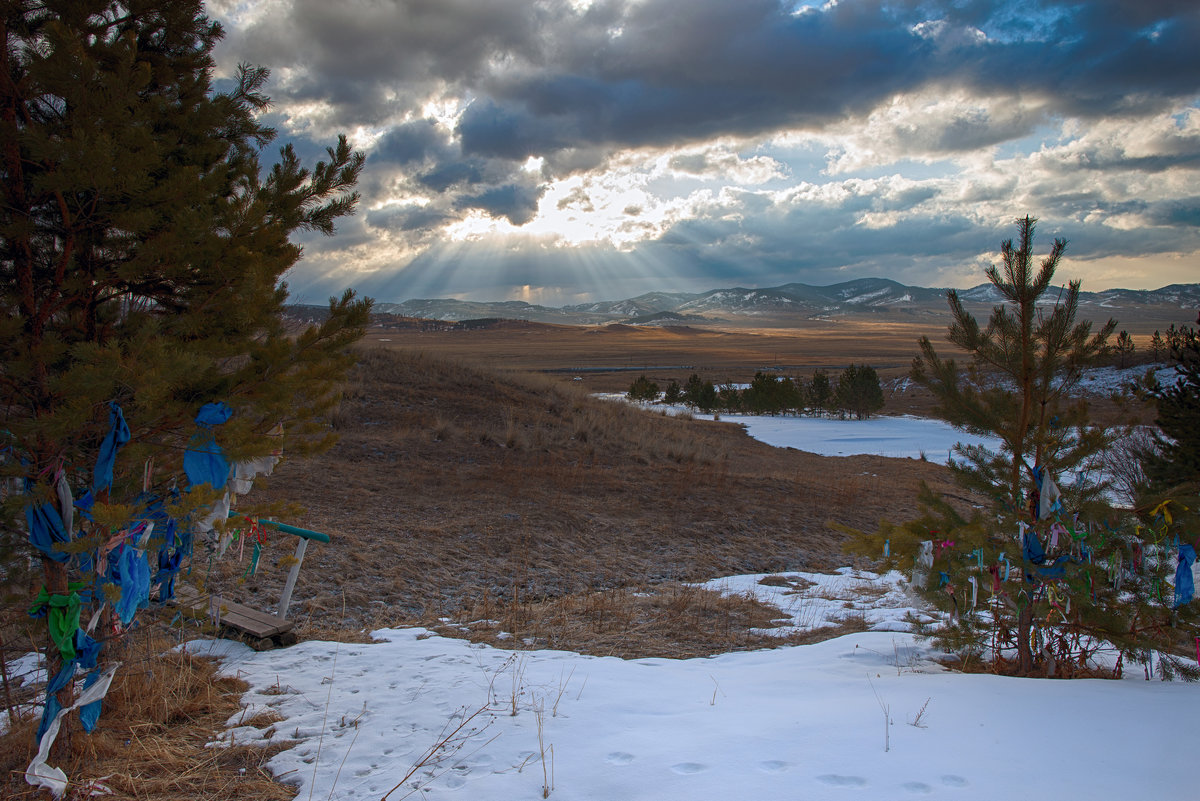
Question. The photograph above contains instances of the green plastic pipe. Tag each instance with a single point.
(299, 532)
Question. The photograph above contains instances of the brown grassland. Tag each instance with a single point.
(468, 488)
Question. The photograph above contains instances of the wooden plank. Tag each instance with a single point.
(247, 619)
(230, 613)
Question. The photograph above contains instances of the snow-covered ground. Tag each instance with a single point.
(901, 437)
(864, 716)
(911, 437)
(867, 716)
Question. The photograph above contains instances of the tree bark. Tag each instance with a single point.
(1024, 630)
(56, 584)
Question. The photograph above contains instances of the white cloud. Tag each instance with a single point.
(935, 124)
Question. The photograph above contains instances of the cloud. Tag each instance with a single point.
(409, 217)
(411, 142)
(518, 203)
(720, 163)
(738, 138)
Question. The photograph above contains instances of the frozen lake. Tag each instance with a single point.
(899, 437)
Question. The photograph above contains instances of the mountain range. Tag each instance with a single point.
(794, 301)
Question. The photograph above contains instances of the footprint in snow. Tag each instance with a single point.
(619, 758)
(773, 766)
(917, 787)
(835, 780)
(950, 780)
(688, 768)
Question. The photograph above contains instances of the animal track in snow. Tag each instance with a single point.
(950, 780)
(773, 766)
(917, 787)
(619, 758)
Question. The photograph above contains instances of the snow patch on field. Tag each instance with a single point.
(869, 716)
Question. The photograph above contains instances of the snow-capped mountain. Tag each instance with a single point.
(860, 296)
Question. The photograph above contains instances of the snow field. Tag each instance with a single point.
(801, 722)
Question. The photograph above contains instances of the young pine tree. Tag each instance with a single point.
(1124, 349)
(1066, 574)
(858, 391)
(1172, 464)
(1157, 346)
(819, 393)
(643, 389)
(142, 253)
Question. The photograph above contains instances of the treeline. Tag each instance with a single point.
(1160, 348)
(856, 392)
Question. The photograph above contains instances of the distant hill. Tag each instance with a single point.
(794, 301)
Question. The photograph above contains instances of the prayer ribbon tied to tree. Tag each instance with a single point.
(143, 275)
(1092, 575)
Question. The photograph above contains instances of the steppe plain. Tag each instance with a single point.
(478, 481)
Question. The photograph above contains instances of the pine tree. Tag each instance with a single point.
(858, 391)
(1172, 465)
(700, 394)
(770, 394)
(819, 394)
(1023, 364)
(1086, 574)
(1124, 348)
(142, 252)
(673, 393)
(643, 389)
(1157, 346)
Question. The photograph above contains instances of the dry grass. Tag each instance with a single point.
(471, 493)
(454, 483)
(671, 620)
(158, 716)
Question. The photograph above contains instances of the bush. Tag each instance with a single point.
(643, 389)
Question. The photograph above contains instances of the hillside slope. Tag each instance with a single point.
(452, 484)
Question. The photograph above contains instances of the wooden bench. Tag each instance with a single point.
(259, 624)
(222, 612)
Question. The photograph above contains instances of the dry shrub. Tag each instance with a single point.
(665, 620)
(160, 712)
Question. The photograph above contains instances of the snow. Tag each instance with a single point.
(902, 436)
(911, 437)
(793, 722)
(1107, 380)
(867, 716)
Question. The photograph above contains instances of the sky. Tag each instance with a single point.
(565, 151)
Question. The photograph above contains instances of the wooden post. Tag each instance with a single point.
(286, 598)
(304, 535)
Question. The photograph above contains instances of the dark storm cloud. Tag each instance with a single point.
(405, 47)
(516, 202)
(661, 71)
(574, 87)
(680, 73)
(408, 218)
(453, 173)
(1177, 212)
(411, 142)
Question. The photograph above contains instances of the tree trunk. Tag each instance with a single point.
(56, 584)
(1024, 630)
